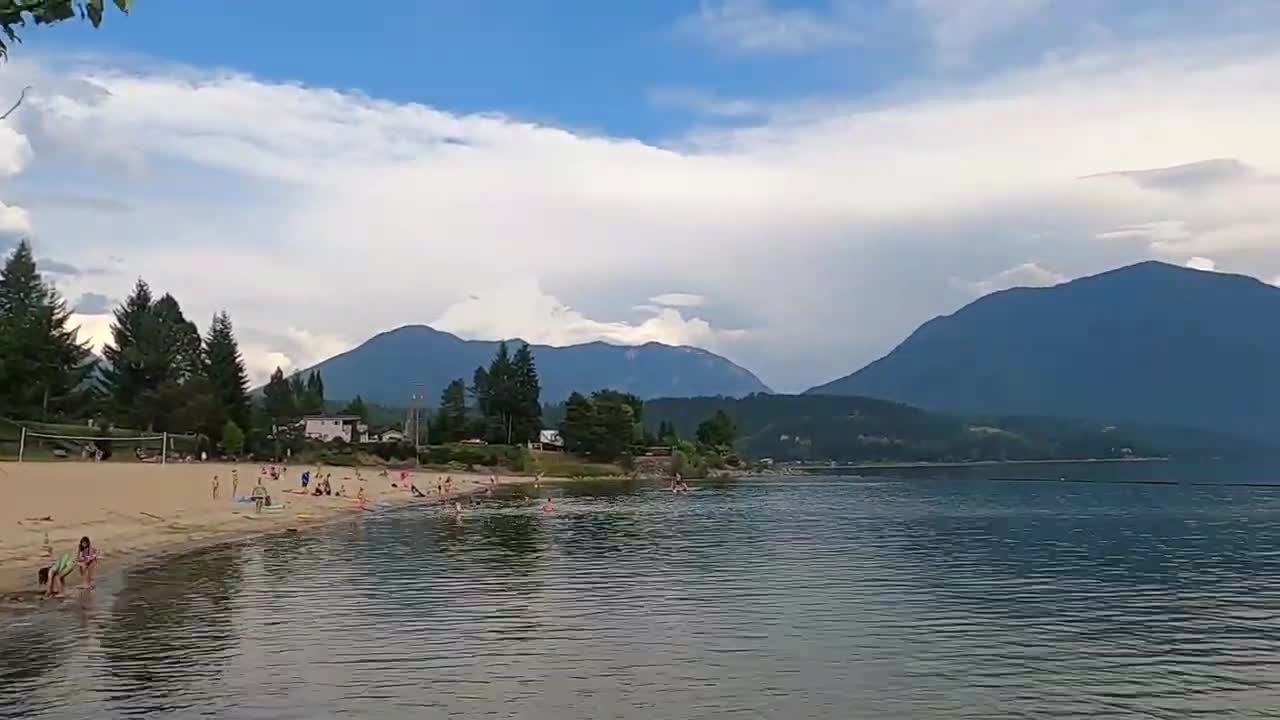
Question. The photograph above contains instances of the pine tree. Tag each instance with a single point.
(526, 402)
(43, 366)
(357, 407)
(579, 428)
(312, 402)
(277, 399)
(225, 370)
(298, 389)
(179, 337)
(130, 371)
(451, 418)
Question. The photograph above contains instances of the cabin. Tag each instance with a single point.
(550, 440)
(325, 428)
(391, 436)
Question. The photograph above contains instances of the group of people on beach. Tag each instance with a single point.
(53, 577)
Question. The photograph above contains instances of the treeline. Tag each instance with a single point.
(858, 429)
(502, 404)
(159, 373)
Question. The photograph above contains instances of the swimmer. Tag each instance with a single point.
(548, 506)
(488, 492)
(457, 508)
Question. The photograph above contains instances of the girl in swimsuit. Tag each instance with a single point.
(87, 559)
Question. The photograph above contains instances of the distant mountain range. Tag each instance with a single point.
(389, 367)
(1151, 343)
(859, 429)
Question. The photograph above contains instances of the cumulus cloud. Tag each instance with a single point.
(753, 26)
(310, 211)
(521, 309)
(1024, 275)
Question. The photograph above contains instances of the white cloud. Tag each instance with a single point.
(1201, 263)
(956, 27)
(678, 300)
(306, 208)
(521, 309)
(1024, 275)
(752, 26)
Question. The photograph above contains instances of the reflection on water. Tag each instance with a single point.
(799, 598)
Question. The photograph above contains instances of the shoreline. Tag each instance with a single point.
(968, 463)
(140, 513)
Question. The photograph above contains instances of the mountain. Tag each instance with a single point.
(388, 367)
(1151, 342)
(859, 429)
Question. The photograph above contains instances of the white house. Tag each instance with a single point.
(324, 428)
(394, 436)
(550, 440)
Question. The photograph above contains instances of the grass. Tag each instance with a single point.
(559, 464)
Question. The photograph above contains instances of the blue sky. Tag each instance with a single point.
(591, 65)
(796, 185)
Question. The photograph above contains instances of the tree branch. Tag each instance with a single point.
(21, 97)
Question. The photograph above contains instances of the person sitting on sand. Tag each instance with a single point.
(87, 561)
(413, 489)
(342, 491)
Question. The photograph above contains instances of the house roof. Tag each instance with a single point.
(330, 417)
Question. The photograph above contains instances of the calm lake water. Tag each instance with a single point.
(823, 597)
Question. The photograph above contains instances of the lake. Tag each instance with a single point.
(925, 594)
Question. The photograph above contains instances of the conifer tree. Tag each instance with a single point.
(43, 366)
(224, 368)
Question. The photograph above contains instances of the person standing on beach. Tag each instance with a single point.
(235, 484)
(214, 485)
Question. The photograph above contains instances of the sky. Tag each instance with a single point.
(794, 185)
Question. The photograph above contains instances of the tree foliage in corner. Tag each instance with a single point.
(18, 13)
(43, 366)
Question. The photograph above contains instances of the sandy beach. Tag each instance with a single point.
(134, 510)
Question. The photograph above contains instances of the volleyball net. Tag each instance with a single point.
(55, 444)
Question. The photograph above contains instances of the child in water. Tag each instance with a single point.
(87, 560)
(548, 506)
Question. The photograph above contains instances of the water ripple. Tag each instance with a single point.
(805, 598)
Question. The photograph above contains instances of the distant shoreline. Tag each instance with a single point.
(969, 463)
